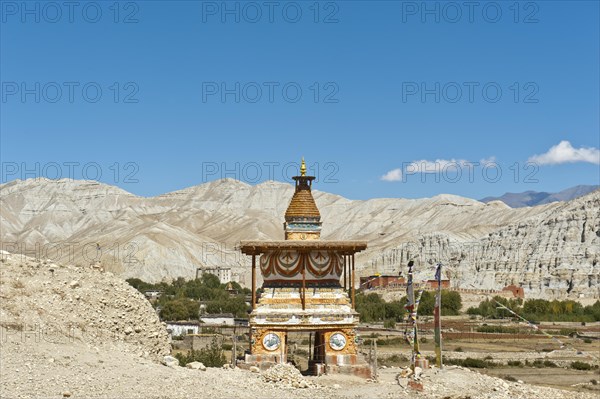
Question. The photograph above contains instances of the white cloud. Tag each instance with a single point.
(435, 167)
(425, 166)
(392, 175)
(564, 152)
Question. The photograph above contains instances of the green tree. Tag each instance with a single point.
(593, 311)
(395, 310)
(235, 305)
(138, 284)
(180, 309)
(451, 303)
(536, 306)
(370, 307)
(426, 304)
(210, 280)
(490, 308)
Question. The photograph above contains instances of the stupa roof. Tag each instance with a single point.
(302, 205)
(258, 247)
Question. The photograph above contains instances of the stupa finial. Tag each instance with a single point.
(303, 168)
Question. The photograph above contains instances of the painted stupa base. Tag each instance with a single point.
(348, 364)
(361, 369)
(325, 312)
(334, 351)
(320, 308)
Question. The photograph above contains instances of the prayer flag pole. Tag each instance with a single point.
(410, 307)
(437, 317)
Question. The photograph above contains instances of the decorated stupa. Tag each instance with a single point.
(308, 286)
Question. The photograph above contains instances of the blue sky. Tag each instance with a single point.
(192, 91)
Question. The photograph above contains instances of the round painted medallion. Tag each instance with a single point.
(271, 341)
(337, 341)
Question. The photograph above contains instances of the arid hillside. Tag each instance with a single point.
(485, 245)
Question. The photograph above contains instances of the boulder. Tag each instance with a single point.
(170, 361)
(196, 366)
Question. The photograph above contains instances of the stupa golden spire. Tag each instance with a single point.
(303, 168)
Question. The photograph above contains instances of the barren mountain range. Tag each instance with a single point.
(552, 250)
(532, 198)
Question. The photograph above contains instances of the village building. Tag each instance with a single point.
(517, 292)
(433, 284)
(378, 281)
(180, 328)
(381, 281)
(223, 273)
(152, 295)
(308, 286)
(224, 319)
(241, 322)
(230, 290)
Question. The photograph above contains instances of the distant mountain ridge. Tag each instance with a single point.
(551, 250)
(533, 198)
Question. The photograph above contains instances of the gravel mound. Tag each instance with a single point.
(45, 303)
(288, 375)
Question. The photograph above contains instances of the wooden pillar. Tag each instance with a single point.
(375, 358)
(352, 282)
(344, 271)
(310, 354)
(234, 353)
(253, 281)
(303, 293)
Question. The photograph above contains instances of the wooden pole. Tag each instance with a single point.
(310, 355)
(416, 349)
(303, 294)
(375, 356)
(233, 358)
(437, 317)
(410, 295)
(352, 282)
(371, 355)
(253, 281)
(345, 257)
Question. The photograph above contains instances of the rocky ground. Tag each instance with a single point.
(45, 303)
(79, 332)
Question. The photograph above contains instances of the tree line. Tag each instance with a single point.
(372, 308)
(180, 299)
(538, 309)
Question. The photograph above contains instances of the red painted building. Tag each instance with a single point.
(380, 281)
(383, 281)
(516, 291)
(434, 284)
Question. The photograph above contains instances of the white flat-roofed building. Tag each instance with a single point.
(226, 319)
(179, 328)
(223, 273)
